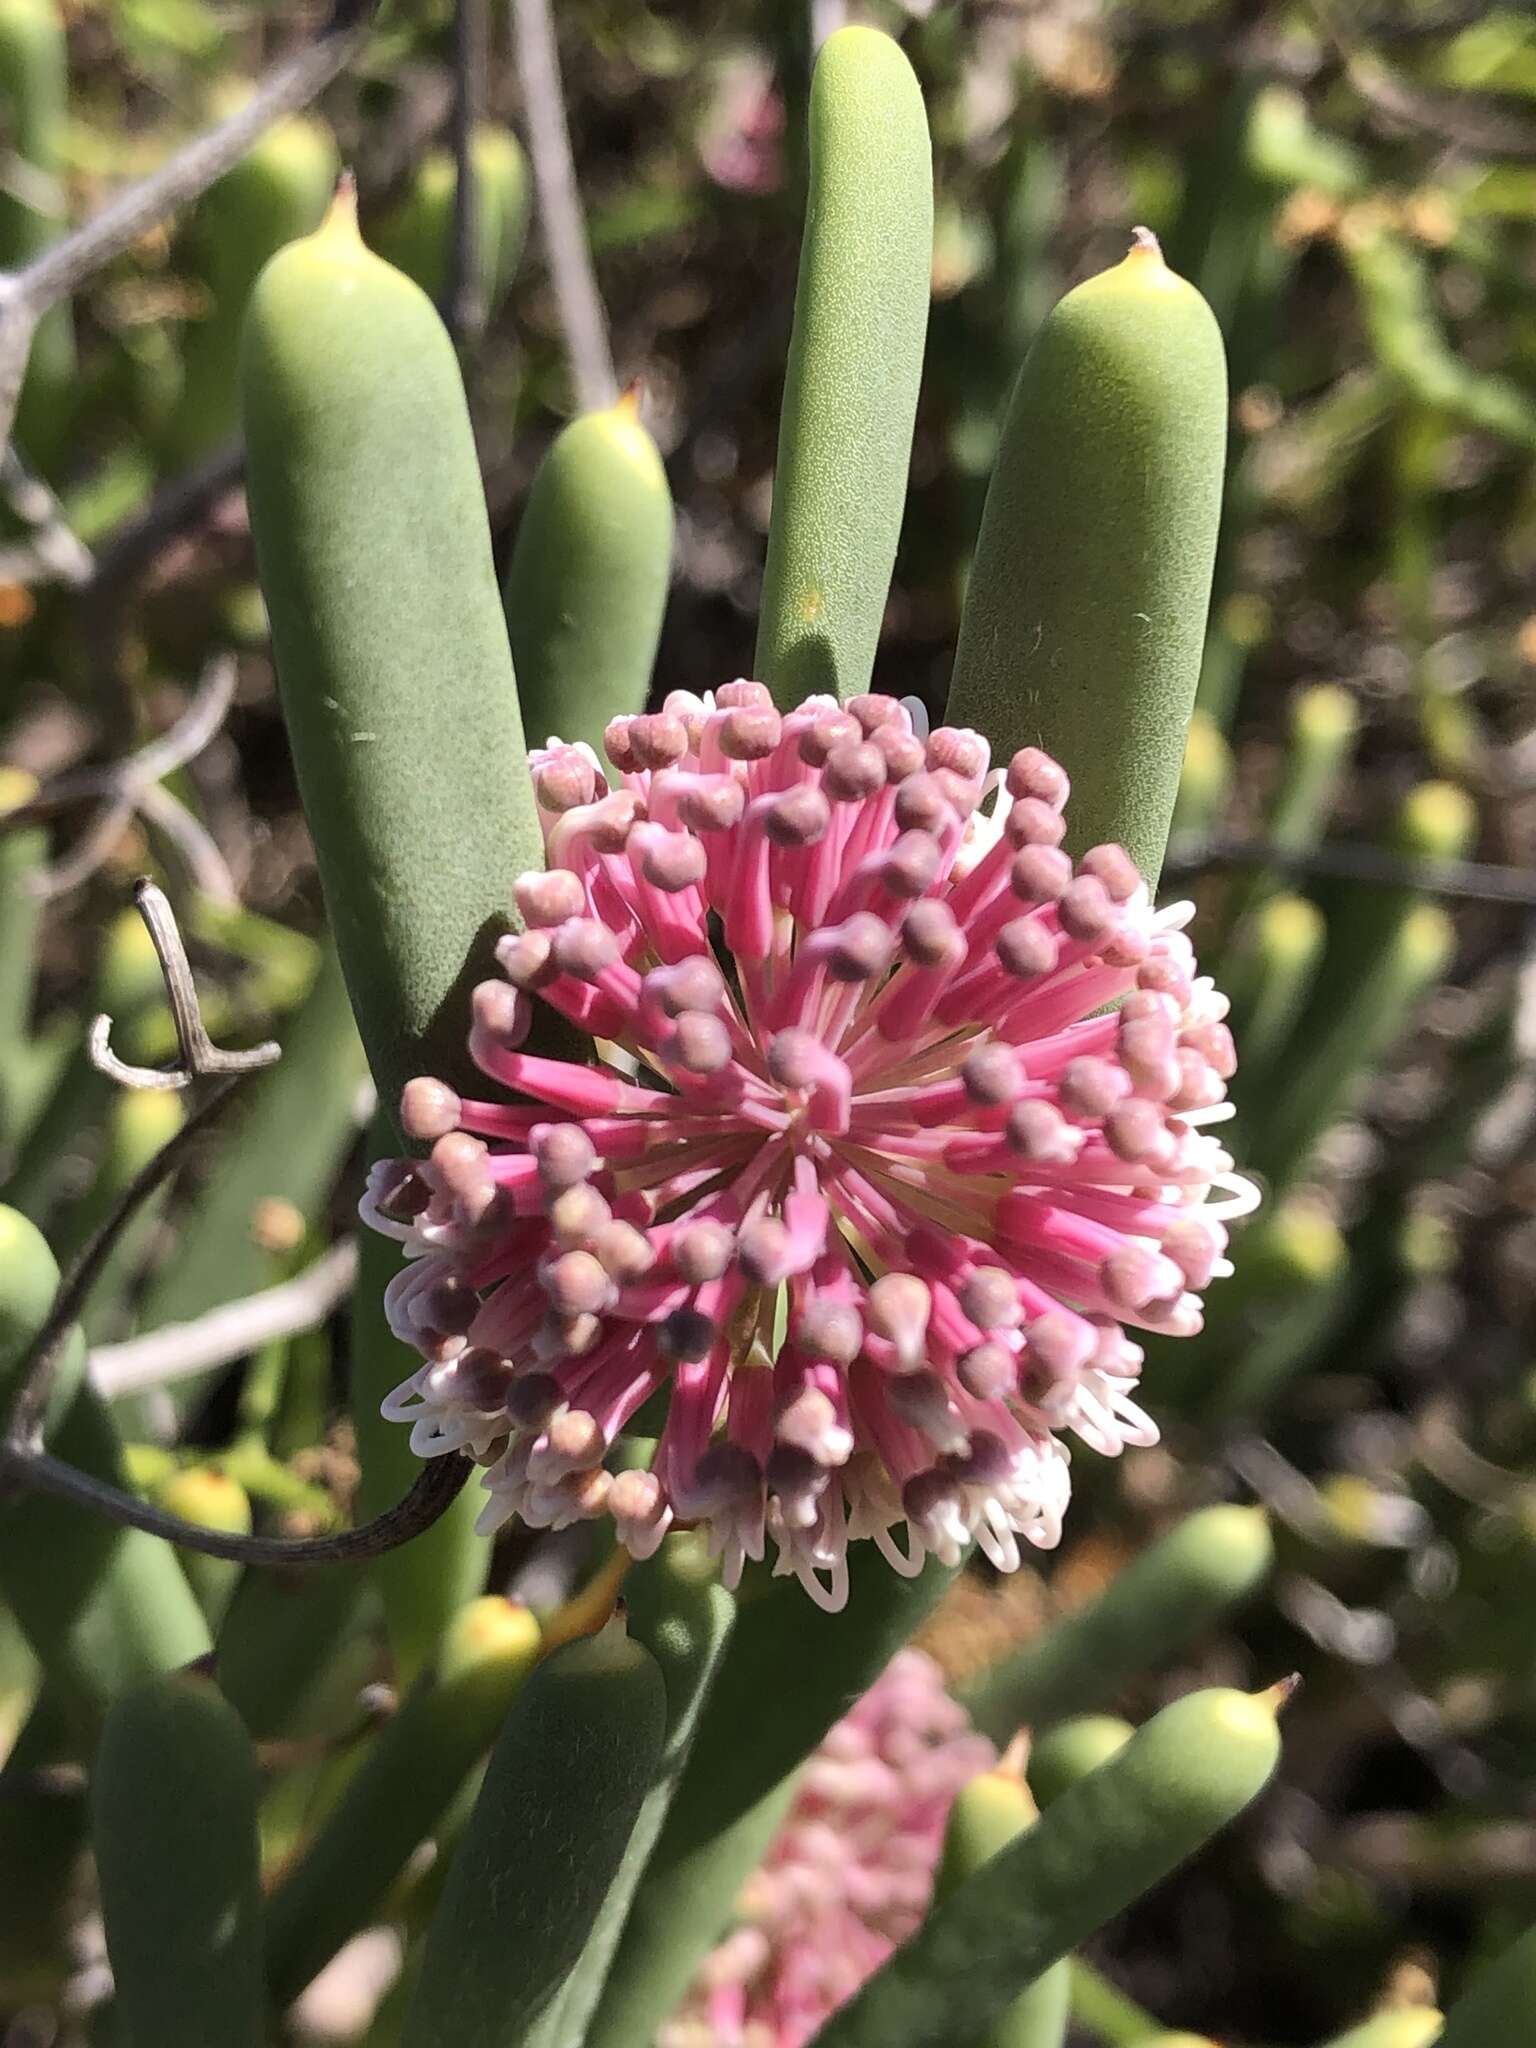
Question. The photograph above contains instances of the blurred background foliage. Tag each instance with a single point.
(1354, 189)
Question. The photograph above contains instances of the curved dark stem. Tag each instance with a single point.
(23, 1432)
(439, 1485)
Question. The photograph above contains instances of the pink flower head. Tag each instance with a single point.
(741, 139)
(850, 1874)
(894, 1130)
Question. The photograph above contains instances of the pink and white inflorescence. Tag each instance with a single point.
(894, 1130)
(850, 1874)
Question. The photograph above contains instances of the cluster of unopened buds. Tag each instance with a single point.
(850, 1874)
(895, 1126)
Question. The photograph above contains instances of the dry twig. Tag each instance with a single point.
(123, 787)
(182, 1350)
(55, 553)
(25, 295)
(24, 1460)
(199, 1056)
(560, 217)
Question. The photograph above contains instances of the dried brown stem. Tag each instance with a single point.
(560, 216)
(200, 1057)
(230, 1331)
(41, 1367)
(439, 1485)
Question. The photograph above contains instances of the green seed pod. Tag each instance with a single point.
(29, 1280)
(571, 1766)
(173, 1821)
(587, 583)
(733, 1793)
(1071, 1750)
(855, 362)
(1413, 2029)
(1189, 1772)
(34, 117)
(375, 558)
(989, 1813)
(1085, 616)
(285, 1143)
(1498, 2004)
(1351, 1038)
(676, 1606)
(102, 1607)
(1161, 1601)
(1204, 779)
(276, 193)
(209, 1497)
(1267, 975)
(416, 233)
(400, 1791)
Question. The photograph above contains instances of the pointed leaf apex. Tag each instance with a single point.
(1279, 1695)
(1014, 1761)
(341, 215)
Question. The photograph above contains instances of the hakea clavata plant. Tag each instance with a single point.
(894, 1131)
(850, 1874)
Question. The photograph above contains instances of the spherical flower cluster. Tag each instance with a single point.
(895, 1128)
(849, 1875)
